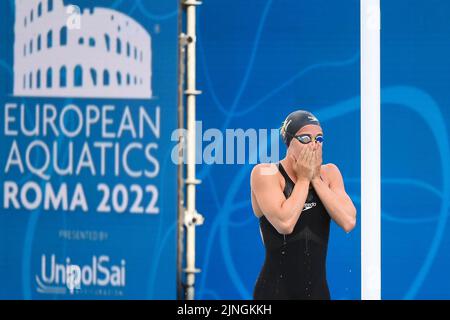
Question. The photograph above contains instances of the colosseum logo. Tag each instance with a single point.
(109, 56)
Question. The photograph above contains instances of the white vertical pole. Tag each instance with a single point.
(192, 217)
(370, 151)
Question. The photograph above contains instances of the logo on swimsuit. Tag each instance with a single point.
(308, 206)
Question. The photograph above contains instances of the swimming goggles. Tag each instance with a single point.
(307, 138)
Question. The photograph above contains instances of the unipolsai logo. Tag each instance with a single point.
(99, 276)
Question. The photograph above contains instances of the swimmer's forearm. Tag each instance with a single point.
(339, 208)
(293, 206)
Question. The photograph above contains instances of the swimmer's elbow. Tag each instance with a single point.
(350, 224)
(284, 226)
(281, 219)
(280, 223)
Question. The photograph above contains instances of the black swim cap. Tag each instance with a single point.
(294, 122)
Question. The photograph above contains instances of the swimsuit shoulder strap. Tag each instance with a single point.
(286, 176)
(284, 173)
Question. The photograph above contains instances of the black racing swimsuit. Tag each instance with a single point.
(295, 263)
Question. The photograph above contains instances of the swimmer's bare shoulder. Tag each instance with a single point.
(326, 172)
(264, 180)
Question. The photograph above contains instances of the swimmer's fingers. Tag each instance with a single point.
(303, 152)
(319, 153)
(315, 159)
(291, 152)
(313, 155)
(295, 149)
(308, 154)
(292, 156)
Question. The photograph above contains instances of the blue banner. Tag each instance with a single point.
(88, 95)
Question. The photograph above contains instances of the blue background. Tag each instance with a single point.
(415, 78)
(146, 242)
